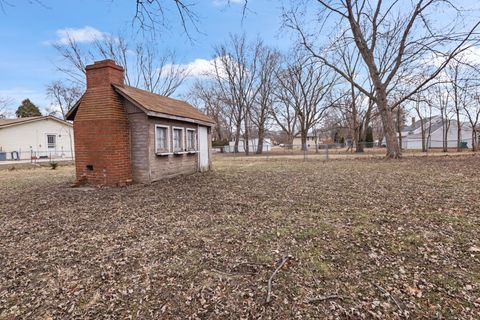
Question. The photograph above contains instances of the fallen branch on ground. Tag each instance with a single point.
(280, 266)
(399, 306)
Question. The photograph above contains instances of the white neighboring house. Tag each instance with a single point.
(252, 145)
(37, 137)
(412, 135)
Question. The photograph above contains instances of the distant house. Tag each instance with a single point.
(434, 134)
(252, 145)
(124, 134)
(35, 137)
(297, 140)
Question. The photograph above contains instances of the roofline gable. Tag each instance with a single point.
(39, 118)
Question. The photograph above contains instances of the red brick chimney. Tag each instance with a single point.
(102, 143)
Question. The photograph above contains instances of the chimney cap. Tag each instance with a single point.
(104, 64)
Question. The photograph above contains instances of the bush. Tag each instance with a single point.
(53, 165)
(219, 143)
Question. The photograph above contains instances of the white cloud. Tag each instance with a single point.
(81, 35)
(219, 3)
(472, 55)
(198, 68)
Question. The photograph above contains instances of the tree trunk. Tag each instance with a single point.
(237, 139)
(422, 128)
(261, 138)
(359, 144)
(246, 138)
(459, 132)
(399, 127)
(474, 138)
(304, 139)
(393, 149)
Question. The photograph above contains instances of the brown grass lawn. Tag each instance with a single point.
(364, 239)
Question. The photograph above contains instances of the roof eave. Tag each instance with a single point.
(169, 116)
(33, 120)
(159, 114)
(73, 111)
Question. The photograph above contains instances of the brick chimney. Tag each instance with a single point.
(413, 122)
(102, 143)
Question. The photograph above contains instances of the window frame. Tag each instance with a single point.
(194, 149)
(182, 148)
(54, 145)
(168, 150)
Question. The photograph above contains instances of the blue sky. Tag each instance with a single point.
(27, 60)
(27, 29)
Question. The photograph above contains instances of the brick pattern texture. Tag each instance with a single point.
(101, 129)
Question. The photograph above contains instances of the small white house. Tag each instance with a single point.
(35, 137)
(434, 134)
(252, 145)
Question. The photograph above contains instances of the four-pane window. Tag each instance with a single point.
(177, 139)
(191, 140)
(161, 139)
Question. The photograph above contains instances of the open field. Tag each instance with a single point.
(361, 239)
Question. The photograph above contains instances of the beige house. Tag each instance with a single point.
(35, 137)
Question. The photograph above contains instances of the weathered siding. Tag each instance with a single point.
(170, 165)
(139, 132)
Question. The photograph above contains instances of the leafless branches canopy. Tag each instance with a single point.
(4, 103)
(391, 37)
(63, 97)
(144, 65)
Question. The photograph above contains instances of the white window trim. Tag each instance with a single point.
(183, 140)
(56, 140)
(168, 140)
(194, 140)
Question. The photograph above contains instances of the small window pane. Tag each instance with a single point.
(191, 140)
(162, 141)
(177, 139)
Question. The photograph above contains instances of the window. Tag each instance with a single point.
(191, 145)
(177, 139)
(162, 144)
(51, 141)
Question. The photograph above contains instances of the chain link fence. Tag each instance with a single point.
(332, 151)
(35, 156)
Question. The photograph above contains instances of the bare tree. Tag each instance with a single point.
(147, 68)
(284, 112)
(423, 110)
(442, 101)
(236, 70)
(472, 111)
(4, 103)
(62, 97)
(357, 107)
(259, 114)
(205, 96)
(390, 37)
(309, 87)
(151, 14)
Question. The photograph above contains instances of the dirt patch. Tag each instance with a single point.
(367, 239)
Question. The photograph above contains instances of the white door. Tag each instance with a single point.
(51, 144)
(203, 148)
